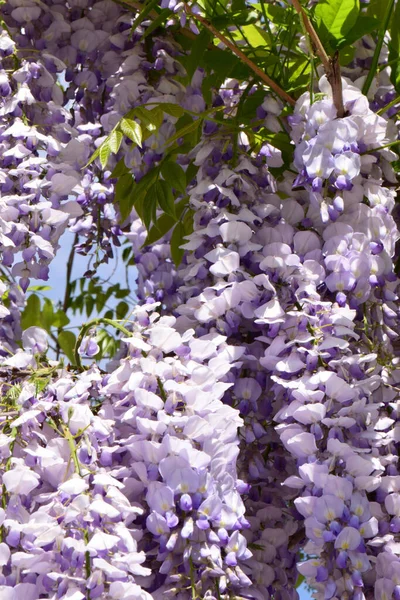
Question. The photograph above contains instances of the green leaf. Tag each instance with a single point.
(385, 25)
(39, 288)
(47, 314)
(100, 302)
(190, 128)
(156, 116)
(300, 580)
(199, 46)
(60, 319)
(161, 228)
(140, 192)
(31, 316)
(122, 310)
(132, 130)
(114, 141)
(394, 48)
(242, 18)
(363, 26)
(124, 194)
(172, 109)
(66, 341)
(157, 22)
(148, 207)
(121, 293)
(275, 13)
(176, 242)
(120, 169)
(149, 119)
(106, 342)
(183, 228)
(175, 175)
(191, 173)
(164, 223)
(255, 35)
(89, 302)
(146, 10)
(238, 5)
(221, 63)
(126, 253)
(165, 198)
(336, 17)
(377, 9)
(40, 383)
(346, 55)
(104, 153)
(93, 157)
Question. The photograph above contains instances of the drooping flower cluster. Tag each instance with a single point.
(106, 472)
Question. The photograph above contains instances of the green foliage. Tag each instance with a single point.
(363, 26)
(93, 295)
(174, 175)
(107, 342)
(66, 341)
(31, 316)
(45, 314)
(394, 48)
(132, 130)
(183, 228)
(335, 19)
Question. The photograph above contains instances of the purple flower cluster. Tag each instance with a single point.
(304, 280)
(105, 473)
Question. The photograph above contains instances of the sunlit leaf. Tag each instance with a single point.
(337, 17)
(66, 340)
(132, 130)
(114, 141)
(104, 154)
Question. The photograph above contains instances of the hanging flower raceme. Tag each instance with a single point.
(106, 476)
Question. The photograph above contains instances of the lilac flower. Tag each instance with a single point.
(89, 347)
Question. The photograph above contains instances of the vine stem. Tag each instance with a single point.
(259, 72)
(378, 48)
(390, 105)
(88, 326)
(70, 263)
(68, 285)
(72, 448)
(331, 64)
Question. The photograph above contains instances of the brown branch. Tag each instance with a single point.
(270, 82)
(331, 64)
(335, 79)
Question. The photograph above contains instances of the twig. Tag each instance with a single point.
(316, 42)
(331, 64)
(70, 262)
(270, 82)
